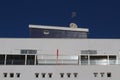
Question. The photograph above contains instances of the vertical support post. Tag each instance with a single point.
(108, 60)
(25, 59)
(117, 59)
(35, 59)
(5, 59)
(88, 59)
(78, 59)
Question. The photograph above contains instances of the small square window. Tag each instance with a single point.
(36, 75)
(11, 75)
(61, 75)
(5, 74)
(68, 75)
(50, 75)
(95, 74)
(75, 74)
(17, 75)
(109, 75)
(102, 74)
(43, 75)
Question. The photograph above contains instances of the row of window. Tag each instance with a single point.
(62, 75)
(50, 75)
(35, 60)
(51, 33)
(102, 74)
(11, 75)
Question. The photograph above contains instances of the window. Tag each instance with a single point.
(50, 75)
(112, 59)
(28, 51)
(84, 59)
(68, 75)
(43, 75)
(23, 51)
(2, 59)
(89, 52)
(61, 75)
(11, 75)
(46, 32)
(15, 60)
(102, 74)
(36, 75)
(75, 74)
(98, 60)
(30, 59)
(5, 74)
(17, 75)
(109, 74)
(95, 74)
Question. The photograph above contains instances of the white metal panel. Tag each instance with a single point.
(65, 46)
(58, 28)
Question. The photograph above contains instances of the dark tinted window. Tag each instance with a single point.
(15, 60)
(11, 75)
(2, 59)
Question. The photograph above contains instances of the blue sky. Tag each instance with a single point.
(102, 17)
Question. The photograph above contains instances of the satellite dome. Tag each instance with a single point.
(73, 25)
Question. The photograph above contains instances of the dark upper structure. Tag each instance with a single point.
(40, 31)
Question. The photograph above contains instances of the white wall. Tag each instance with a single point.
(65, 46)
(84, 72)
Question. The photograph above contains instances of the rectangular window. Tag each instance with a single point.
(17, 75)
(89, 52)
(11, 75)
(112, 59)
(102, 74)
(75, 74)
(68, 75)
(30, 59)
(98, 60)
(50, 75)
(2, 59)
(23, 51)
(28, 51)
(95, 74)
(15, 60)
(61, 75)
(43, 75)
(5, 74)
(84, 59)
(109, 74)
(36, 75)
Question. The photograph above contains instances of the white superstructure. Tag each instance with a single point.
(58, 28)
(59, 59)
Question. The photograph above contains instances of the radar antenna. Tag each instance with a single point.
(73, 25)
(73, 14)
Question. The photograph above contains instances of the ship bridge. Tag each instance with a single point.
(40, 31)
